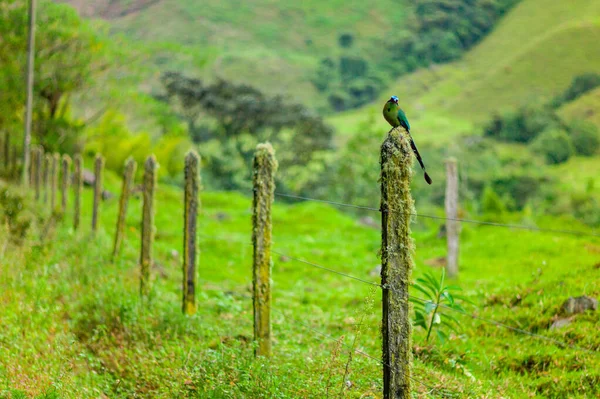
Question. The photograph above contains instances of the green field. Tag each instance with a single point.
(73, 324)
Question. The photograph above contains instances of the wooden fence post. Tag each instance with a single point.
(98, 167)
(190, 245)
(128, 174)
(46, 176)
(396, 264)
(263, 181)
(54, 180)
(64, 186)
(147, 224)
(39, 165)
(452, 226)
(77, 189)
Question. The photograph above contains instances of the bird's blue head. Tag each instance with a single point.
(393, 99)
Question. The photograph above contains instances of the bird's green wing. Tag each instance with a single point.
(403, 119)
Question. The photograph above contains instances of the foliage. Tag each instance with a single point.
(586, 137)
(69, 54)
(432, 313)
(555, 145)
(442, 30)
(522, 125)
(580, 85)
(236, 118)
(491, 203)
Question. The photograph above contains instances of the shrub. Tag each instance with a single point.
(491, 203)
(522, 125)
(586, 137)
(580, 85)
(555, 145)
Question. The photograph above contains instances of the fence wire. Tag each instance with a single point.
(470, 221)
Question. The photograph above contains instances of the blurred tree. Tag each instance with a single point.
(555, 145)
(69, 53)
(586, 137)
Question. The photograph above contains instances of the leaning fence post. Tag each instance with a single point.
(190, 246)
(46, 176)
(98, 166)
(54, 180)
(39, 165)
(452, 225)
(128, 173)
(396, 264)
(263, 182)
(64, 186)
(77, 189)
(147, 224)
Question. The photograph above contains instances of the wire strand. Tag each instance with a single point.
(471, 221)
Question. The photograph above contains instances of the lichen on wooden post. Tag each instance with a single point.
(54, 180)
(396, 264)
(150, 167)
(264, 168)
(77, 189)
(98, 168)
(128, 174)
(452, 225)
(64, 184)
(190, 245)
(46, 176)
(39, 166)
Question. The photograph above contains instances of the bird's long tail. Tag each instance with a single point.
(414, 148)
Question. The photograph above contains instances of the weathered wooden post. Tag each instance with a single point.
(64, 186)
(396, 264)
(39, 165)
(452, 225)
(150, 167)
(98, 167)
(54, 180)
(263, 180)
(190, 245)
(128, 174)
(77, 189)
(46, 176)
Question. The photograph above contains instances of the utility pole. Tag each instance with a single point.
(29, 106)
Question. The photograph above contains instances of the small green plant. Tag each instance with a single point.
(431, 312)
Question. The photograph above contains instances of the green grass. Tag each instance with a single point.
(73, 325)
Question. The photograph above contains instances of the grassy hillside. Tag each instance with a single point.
(533, 54)
(258, 41)
(73, 325)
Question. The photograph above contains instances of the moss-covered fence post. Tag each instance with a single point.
(190, 245)
(64, 184)
(150, 167)
(54, 169)
(39, 166)
(98, 168)
(396, 264)
(46, 176)
(128, 174)
(77, 189)
(263, 181)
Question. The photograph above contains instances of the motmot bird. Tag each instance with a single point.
(396, 117)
